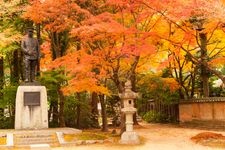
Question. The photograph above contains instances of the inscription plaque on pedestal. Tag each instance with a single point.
(31, 98)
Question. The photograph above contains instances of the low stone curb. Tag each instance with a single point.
(87, 142)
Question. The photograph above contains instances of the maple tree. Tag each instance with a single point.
(119, 44)
(105, 53)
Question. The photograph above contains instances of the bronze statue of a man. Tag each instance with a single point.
(30, 47)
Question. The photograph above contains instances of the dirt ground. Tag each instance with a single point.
(155, 137)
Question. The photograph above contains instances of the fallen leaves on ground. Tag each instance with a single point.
(210, 139)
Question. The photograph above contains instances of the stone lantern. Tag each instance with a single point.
(129, 136)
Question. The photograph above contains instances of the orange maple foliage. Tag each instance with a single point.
(124, 39)
(171, 83)
(79, 67)
(46, 59)
(56, 15)
(110, 45)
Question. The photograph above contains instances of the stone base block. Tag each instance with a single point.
(29, 116)
(130, 138)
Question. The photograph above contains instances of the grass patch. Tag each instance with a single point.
(84, 136)
(111, 139)
(2, 140)
(91, 136)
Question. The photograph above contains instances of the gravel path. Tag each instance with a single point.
(157, 137)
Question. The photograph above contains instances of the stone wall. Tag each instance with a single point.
(208, 109)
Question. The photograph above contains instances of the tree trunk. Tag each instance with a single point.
(1, 82)
(94, 109)
(38, 29)
(1, 73)
(193, 81)
(14, 76)
(55, 45)
(61, 108)
(122, 114)
(55, 113)
(21, 65)
(104, 115)
(50, 112)
(123, 123)
(135, 114)
(78, 111)
(120, 88)
(59, 45)
(204, 71)
(133, 83)
(122, 119)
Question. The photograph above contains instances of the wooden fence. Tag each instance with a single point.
(169, 110)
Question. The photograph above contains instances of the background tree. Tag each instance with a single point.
(11, 29)
(190, 25)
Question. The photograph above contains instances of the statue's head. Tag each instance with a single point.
(30, 32)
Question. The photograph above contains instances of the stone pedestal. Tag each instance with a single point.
(129, 136)
(31, 114)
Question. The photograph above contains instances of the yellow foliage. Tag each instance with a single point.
(171, 83)
(154, 81)
(88, 85)
(8, 36)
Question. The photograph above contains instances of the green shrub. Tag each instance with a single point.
(153, 116)
(6, 122)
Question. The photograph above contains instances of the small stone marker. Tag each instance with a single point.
(60, 137)
(9, 140)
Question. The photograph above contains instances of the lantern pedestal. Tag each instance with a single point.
(129, 136)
